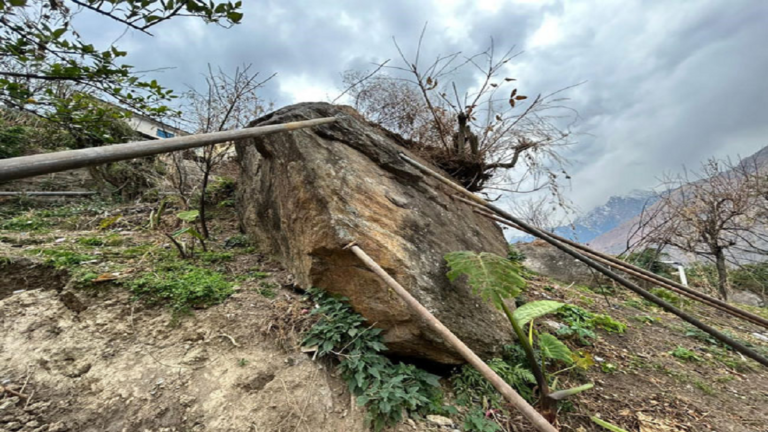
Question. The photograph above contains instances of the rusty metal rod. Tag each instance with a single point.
(737, 346)
(636, 271)
(30, 166)
(736, 313)
(508, 392)
(47, 193)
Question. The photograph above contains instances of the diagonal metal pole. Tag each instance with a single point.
(30, 166)
(539, 422)
(737, 346)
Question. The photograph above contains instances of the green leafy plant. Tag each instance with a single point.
(704, 387)
(581, 324)
(515, 255)
(685, 354)
(475, 421)
(472, 388)
(607, 323)
(53, 72)
(181, 286)
(25, 223)
(646, 319)
(385, 388)
(110, 240)
(490, 276)
(268, 290)
(157, 216)
(186, 250)
(701, 335)
(667, 296)
(62, 258)
(13, 141)
(216, 257)
(237, 241)
(496, 279)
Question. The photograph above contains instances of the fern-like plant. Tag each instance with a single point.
(496, 279)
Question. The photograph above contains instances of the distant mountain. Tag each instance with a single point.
(608, 216)
(614, 241)
(604, 218)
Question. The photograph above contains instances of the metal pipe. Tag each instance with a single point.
(539, 422)
(639, 272)
(737, 346)
(46, 193)
(30, 166)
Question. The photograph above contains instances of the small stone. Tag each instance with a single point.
(554, 325)
(9, 403)
(58, 427)
(13, 426)
(440, 420)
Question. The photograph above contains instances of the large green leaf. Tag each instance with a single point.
(552, 348)
(533, 310)
(189, 215)
(492, 277)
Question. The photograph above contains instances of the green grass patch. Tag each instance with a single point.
(581, 324)
(181, 286)
(108, 240)
(25, 223)
(63, 258)
(706, 388)
(685, 354)
(667, 296)
(215, 257)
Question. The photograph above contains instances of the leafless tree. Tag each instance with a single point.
(228, 102)
(541, 213)
(486, 134)
(711, 214)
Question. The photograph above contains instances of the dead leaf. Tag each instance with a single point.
(650, 424)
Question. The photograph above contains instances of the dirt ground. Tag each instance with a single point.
(118, 366)
(639, 385)
(97, 360)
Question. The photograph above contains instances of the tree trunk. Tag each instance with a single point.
(722, 274)
(203, 222)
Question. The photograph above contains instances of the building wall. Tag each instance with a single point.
(153, 129)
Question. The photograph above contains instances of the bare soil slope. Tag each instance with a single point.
(98, 360)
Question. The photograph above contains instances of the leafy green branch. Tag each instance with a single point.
(50, 70)
(496, 280)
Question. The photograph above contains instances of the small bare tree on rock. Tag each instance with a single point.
(485, 133)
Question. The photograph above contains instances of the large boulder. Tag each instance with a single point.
(304, 195)
(549, 261)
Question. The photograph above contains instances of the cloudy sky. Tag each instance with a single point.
(667, 82)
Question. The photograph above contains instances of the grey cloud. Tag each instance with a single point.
(668, 83)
